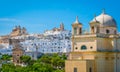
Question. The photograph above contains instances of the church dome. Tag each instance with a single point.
(105, 20)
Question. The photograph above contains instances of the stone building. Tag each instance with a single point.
(4, 39)
(17, 31)
(61, 28)
(96, 51)
(17, 51)
(5, 46)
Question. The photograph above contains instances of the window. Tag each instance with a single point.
(75, 30)
(75, 69)
(55, 43)
(107, 31)
(92, 29)
(90, 69)
(83, 47)
(80, 31)
(76, 48)
(91, 47)
(52, 50)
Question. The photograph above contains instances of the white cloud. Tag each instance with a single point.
(9, 19)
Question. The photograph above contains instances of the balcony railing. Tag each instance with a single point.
(97, 35)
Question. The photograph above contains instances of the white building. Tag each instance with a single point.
(56, 40)
(5, 49)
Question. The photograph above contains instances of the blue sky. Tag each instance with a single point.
(39, 15)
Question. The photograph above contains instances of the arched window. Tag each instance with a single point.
(75, 30)
(80, 31)
(83, 47)
(92, 28)
(107, 31)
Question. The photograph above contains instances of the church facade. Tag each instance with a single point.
(17, 31)
(96, 51)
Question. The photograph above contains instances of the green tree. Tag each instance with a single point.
(31, 62)
(45, 59)
(25, 59)
(58, 70)
(19, 69)
(54, 61)
(46, 63)
(8, 68)
(41, 67)
(63, 56)
(6, 57)
(58, 61)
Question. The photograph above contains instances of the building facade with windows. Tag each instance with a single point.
(17, 32)
(56, 40)
(96, 51)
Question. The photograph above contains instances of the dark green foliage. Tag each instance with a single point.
(25, 59)
(8, 68)
(6, 57)
(46, 63)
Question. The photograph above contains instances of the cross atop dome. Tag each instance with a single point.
(103, 11)
(95, 17)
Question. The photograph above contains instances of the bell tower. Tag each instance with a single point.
(76, 27)
(94, 26)
(62, 26)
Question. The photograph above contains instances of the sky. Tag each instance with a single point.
(39, 15)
